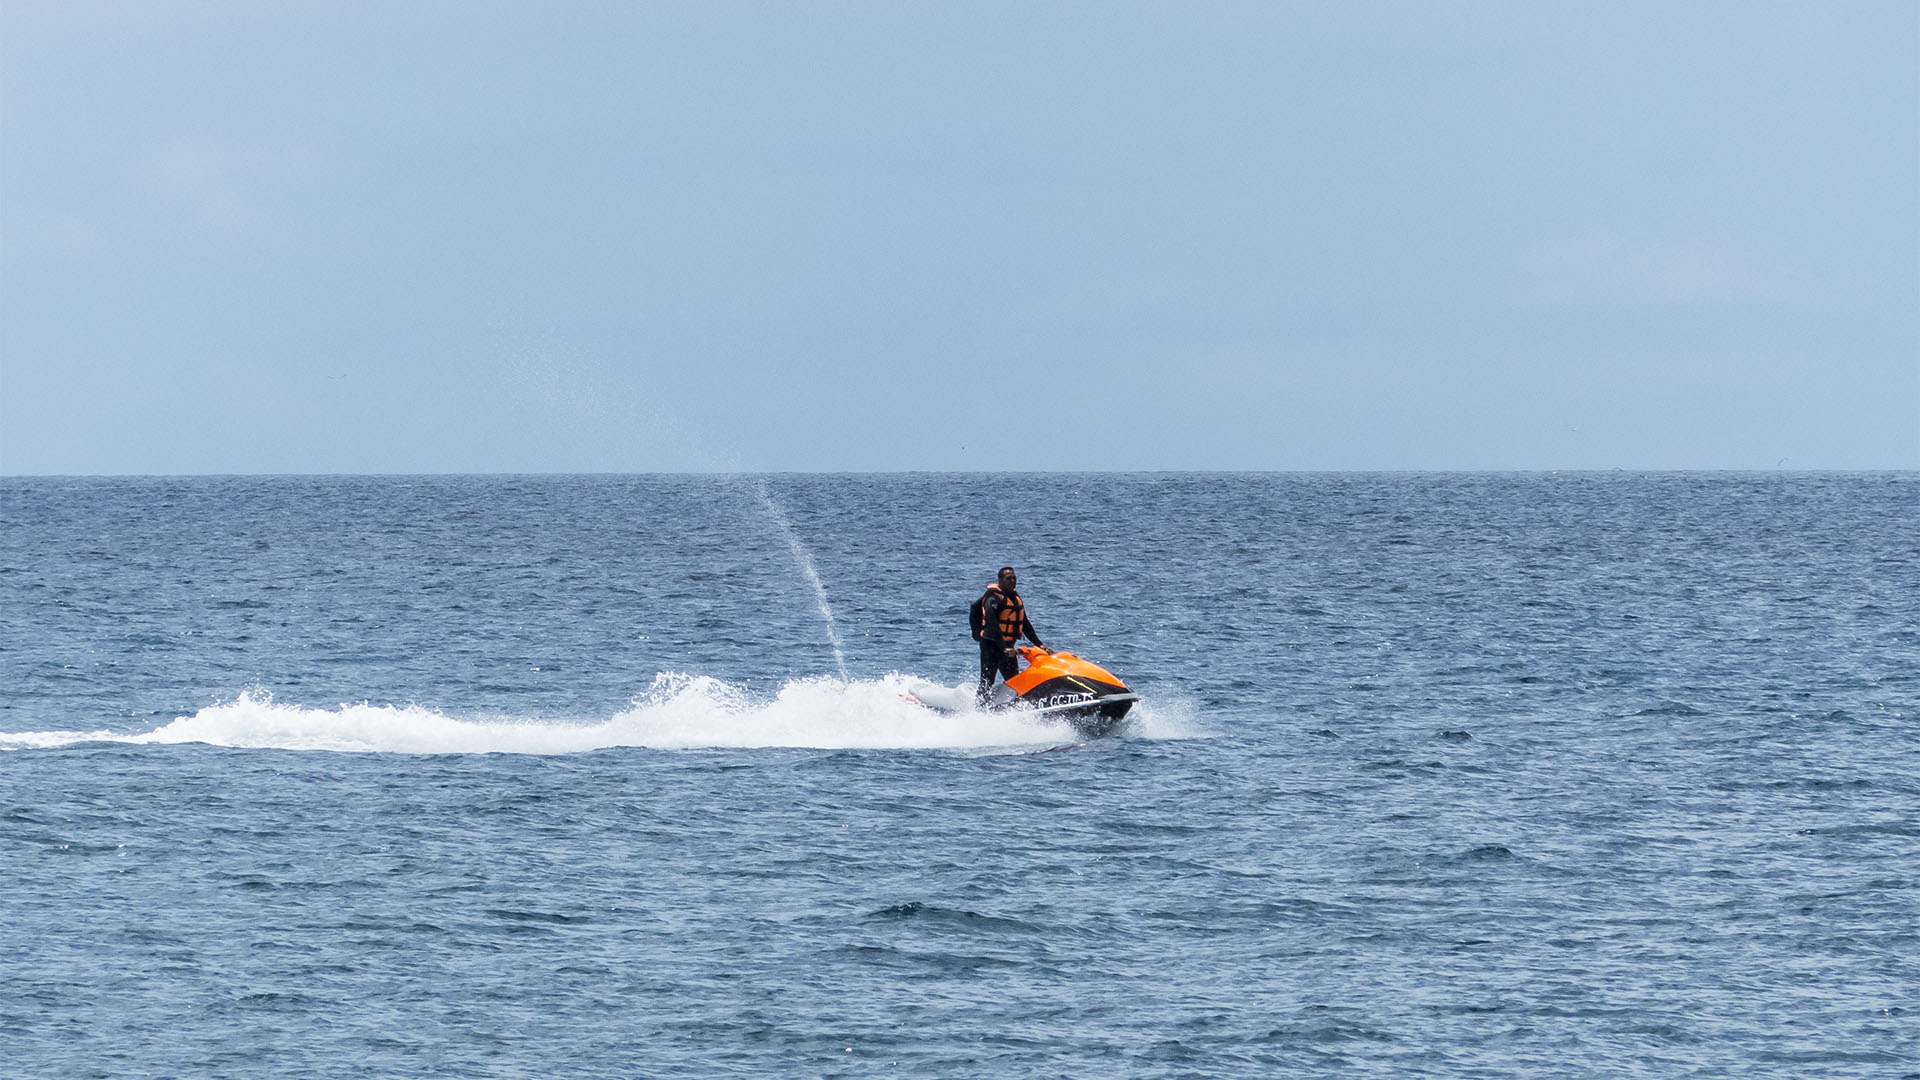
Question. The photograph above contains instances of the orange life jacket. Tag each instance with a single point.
(1013, 616)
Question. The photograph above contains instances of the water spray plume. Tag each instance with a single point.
(805, 560)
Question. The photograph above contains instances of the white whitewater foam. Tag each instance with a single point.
(677, 712)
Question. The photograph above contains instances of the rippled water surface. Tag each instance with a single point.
(1436, 775)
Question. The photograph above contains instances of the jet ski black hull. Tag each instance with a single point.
(1098, 718)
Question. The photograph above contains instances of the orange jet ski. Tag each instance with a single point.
(1054, 684)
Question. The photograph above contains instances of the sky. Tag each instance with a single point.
(380, 237)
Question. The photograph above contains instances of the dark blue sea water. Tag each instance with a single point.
(1436, 775)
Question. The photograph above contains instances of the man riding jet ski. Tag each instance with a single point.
(999, 618)
(1055, 684)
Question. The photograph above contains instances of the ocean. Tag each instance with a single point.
(1434, 775)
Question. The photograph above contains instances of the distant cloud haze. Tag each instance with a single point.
(223, 184)
(1606, 266)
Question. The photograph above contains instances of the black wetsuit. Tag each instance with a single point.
(996, 656)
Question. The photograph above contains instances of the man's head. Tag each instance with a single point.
(1008, 579)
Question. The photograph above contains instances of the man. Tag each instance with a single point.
(999, 620)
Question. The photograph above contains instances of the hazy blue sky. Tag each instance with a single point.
(377, 237)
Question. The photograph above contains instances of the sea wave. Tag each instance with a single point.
(677, 712)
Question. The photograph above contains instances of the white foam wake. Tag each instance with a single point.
(677, 712)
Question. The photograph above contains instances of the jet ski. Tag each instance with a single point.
(1054, 684)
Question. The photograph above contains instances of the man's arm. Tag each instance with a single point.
(1027, 625)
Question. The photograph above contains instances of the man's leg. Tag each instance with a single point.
(990, 654)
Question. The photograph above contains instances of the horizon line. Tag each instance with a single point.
(721, 473)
